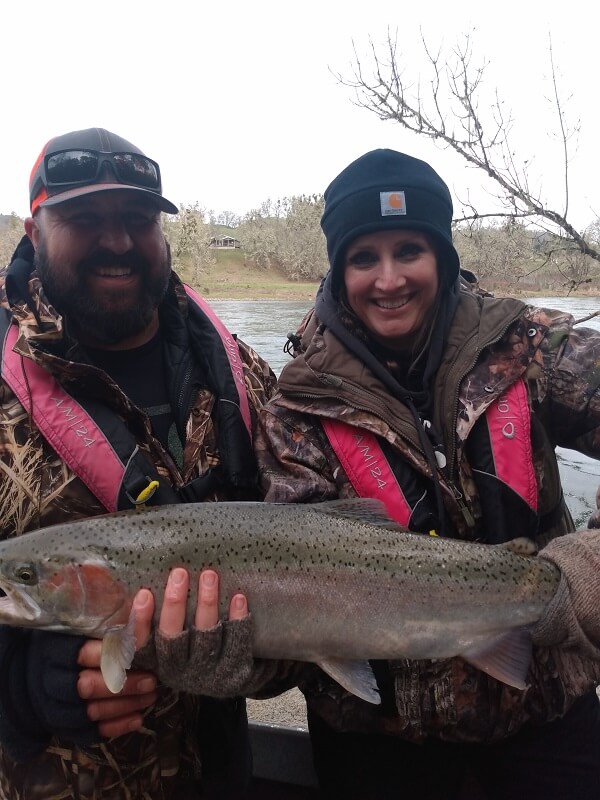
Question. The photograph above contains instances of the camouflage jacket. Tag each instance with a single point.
(37, 489)
(491, 344)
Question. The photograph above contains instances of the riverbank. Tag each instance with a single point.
(230, 279)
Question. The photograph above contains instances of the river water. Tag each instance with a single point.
(264, 324)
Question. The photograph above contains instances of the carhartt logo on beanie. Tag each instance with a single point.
(383, 190)
(392, 203)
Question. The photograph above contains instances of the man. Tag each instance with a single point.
(119, 386)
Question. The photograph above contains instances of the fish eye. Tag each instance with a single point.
(26, 574)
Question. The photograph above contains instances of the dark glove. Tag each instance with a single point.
(572, 618)
(217, 662)
(38, 692)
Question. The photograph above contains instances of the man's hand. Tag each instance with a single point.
(173, 612)
(123, 713)
(117, 714)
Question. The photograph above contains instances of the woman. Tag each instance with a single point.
(409, 386)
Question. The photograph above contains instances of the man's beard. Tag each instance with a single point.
(73, 300)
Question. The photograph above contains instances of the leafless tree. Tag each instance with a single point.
(501, 248)
(444, 103)
(189, 236)
(11, 231)
(286, 235)
(228, 218)
(576, 268)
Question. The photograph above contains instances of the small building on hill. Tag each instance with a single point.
(228, 242)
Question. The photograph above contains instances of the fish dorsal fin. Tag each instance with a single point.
(359, 509)
(118, 649)
(506, 658)
(355, 676)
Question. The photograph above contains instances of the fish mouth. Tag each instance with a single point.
(17, 607)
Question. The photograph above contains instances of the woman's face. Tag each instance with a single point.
(391, 283)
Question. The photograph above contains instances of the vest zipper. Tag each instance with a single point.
(185, 400)
(464, 508)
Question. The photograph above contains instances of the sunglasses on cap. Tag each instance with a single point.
(80, 167)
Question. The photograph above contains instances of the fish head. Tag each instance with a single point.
(78, 595)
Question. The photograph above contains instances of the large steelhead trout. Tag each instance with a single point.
(333, 583)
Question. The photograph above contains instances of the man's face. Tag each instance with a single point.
(104, 264)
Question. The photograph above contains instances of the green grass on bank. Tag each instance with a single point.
(230, 278)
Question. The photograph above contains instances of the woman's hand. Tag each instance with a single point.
(173, 611)
(213, 657)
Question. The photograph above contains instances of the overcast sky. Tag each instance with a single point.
(237, 101)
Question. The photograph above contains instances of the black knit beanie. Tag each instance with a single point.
(383, 190)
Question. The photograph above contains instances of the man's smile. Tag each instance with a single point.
(113, 271)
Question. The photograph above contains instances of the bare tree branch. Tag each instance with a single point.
(585, 319)
(446, 107)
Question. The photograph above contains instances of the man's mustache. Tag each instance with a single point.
(106, 258)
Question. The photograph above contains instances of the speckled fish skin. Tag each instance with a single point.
(321, 580)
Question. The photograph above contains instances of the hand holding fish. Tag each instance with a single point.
(38, 692)
(118, 714)
(174, 607)
(571, 618)
(214, 657)
(122, 713)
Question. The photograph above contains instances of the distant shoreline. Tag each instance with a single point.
(285, 294)
(302, 292)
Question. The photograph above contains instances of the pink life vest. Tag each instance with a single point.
(371, 475)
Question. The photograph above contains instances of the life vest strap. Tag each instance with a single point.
(69, 428)
(509, 425)
(367, 468)
(232, 351)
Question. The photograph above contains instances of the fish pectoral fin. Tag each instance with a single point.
(118, 649)
(506, 658)
(521, 546)
(355, 676)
